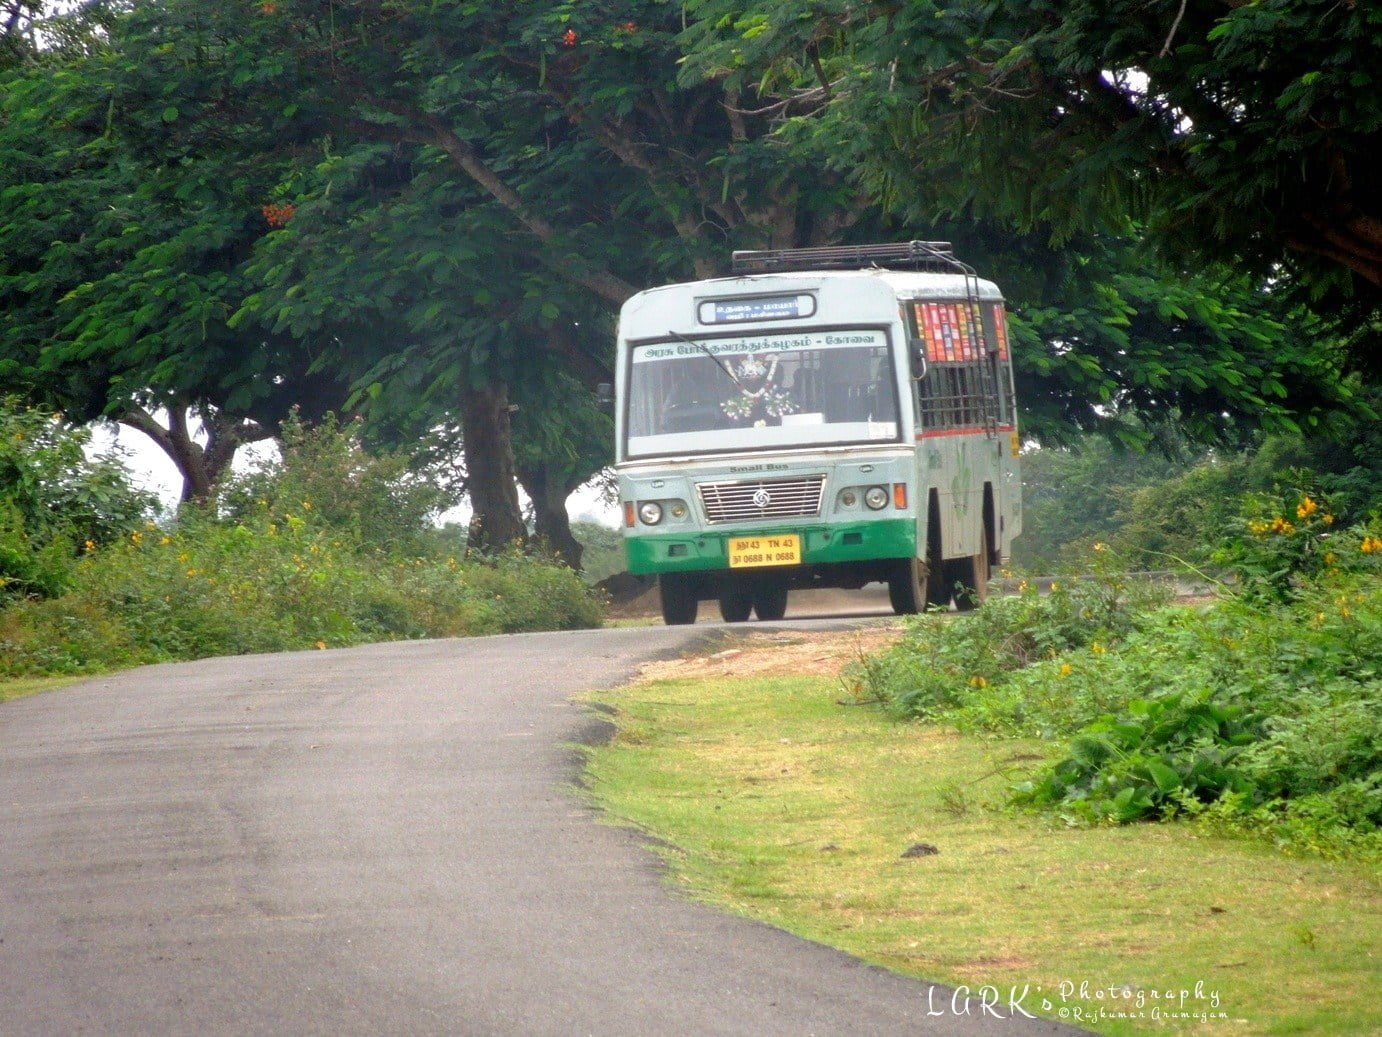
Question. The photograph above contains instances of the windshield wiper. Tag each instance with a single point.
(718, 362)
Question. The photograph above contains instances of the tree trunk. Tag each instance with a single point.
(548, 491)
(486, 441)
(201, 467)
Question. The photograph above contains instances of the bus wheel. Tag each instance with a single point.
(937, 584)
(679, 602)
(907, 586)
(971, 578)
(770, 601)
(735, 605)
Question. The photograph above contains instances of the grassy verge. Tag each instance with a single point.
(784, 805)
(18, 689)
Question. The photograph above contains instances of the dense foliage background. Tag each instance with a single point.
(1257, 712)
(330, 546)
(427, 215)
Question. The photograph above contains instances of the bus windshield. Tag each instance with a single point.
(800, 388)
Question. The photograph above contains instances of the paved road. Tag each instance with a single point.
(373, 840)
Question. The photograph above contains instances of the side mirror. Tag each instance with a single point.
(916, 351)
(604, 396)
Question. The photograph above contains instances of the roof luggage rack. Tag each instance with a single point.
(937, 256)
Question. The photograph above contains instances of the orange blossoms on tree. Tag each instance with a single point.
(278, 215)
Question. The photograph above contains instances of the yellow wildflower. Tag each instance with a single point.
(90, 545)
(1097, 648)
(321, 646)
(1066, 669)
(1328, 520)
(1055, 586)
(165, 541)
(136, 537)
(1101, 547)
(1306, 508)
(978, 682)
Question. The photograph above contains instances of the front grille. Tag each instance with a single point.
(761, 498)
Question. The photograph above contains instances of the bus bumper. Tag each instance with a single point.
(827, 545)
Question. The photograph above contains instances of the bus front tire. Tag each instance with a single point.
(970, 578)
(679, 601)
(770, 601)
(735, 605)
(907, 586)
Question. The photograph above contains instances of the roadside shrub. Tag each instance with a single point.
(1284, 542)
(941, 663)
(28, 569)
(1261, 712)
(210, 588)
(331, 548)
(1276, 726)
(376, 498)
(55, 501)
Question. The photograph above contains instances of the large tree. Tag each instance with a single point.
(1232, 133)
(513, 153)
(443, 204)
(122, 258)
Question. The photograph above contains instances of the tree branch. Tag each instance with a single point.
(1175, 25)
(463, 156)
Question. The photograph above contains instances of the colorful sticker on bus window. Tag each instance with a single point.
(953, 333)
(926, 329)
(939, 343)
(1000, 325)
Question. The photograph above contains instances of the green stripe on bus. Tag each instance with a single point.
(838, 542)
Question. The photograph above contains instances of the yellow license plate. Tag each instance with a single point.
(747, 552)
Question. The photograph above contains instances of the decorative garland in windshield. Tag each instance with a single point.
(775, 401)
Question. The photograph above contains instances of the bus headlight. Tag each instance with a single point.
(876, 498)
(650, 512)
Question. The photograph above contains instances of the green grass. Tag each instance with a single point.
(784, 805)
(18, 689)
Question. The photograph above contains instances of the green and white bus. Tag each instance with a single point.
(825, 417)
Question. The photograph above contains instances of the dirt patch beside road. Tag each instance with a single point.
(779, 654)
